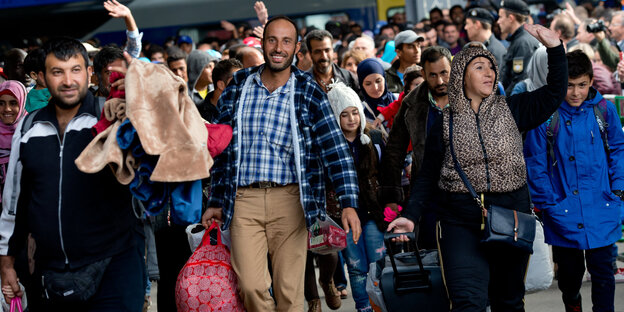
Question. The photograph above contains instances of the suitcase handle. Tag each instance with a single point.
(407, 281)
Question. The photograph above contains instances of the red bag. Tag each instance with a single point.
(326, 237)
(207, 281)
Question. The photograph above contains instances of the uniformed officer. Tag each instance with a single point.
(479, 28)
(511, 16)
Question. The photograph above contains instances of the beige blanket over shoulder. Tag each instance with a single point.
(167, 122)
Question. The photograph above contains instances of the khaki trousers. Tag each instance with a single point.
(269, 221)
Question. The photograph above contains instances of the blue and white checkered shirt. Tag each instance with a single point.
(267, 152)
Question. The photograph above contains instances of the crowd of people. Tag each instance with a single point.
(380, 130)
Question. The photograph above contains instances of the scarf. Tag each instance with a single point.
(18, 91)
(372, 66)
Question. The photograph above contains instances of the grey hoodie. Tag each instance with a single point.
(196, 62)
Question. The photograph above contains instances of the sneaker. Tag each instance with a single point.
(619, 275)
(332, 296)
(575, 306)
(314, 305)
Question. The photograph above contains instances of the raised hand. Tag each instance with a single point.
(116, 9)
(547, 37)
(261, 12)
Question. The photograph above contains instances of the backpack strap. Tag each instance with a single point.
(600, 111)
(28, 122)
(99, 106)
(552, 129)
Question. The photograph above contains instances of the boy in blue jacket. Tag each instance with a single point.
(575, 164)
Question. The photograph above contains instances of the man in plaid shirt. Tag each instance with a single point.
(268, 185)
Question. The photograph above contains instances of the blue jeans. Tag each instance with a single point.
(369, 249)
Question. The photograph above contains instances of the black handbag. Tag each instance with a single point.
(73, 286)
(500, 225)
(414, 279)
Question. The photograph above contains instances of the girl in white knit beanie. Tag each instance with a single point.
(366, 146)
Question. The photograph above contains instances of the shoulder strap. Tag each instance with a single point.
(99, 106)
(28, 121)
(600, 111)
(552, 129)
(461, 172)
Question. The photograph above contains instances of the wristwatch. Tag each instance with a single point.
(619, 193)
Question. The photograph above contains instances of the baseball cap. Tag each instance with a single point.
(185, 39)
(481, 15)
(252, 42)
(515, 6)
(407, 36)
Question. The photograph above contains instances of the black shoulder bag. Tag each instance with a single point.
(500, 225)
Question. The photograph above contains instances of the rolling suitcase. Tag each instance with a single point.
(408, 284)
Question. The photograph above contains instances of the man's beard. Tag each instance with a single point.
(278, 68)
(437, 93)
(82, 92)
(326, 69)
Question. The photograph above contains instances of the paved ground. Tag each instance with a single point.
(545, 301)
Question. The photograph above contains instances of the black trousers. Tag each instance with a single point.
(172, 251)
(571, 268)
(474, 273)
(122, 288)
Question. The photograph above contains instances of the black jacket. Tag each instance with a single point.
(410, 125)
(395, 85)
(207, 110)
(75, 218)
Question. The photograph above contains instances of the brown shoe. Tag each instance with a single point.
(332, 295)
(314, 305)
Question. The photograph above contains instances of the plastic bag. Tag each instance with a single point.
(540, 271)
(372, 288)
(6, 306)
(326, 237)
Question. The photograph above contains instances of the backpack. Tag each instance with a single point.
(552, 129)
(28, 120)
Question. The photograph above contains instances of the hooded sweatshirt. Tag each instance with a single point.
(488, 144)
(196, 62)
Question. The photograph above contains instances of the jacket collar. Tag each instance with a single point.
(48, 113)
(516, 34)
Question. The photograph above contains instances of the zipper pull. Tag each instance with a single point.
(592, 135)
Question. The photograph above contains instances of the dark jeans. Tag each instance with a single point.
(172, 250)
(327, 266)
(122, 287)
(571, 268)
(473, 272)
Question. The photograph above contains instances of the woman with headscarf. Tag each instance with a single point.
(372, 79)
(487, 144)
(12, 99)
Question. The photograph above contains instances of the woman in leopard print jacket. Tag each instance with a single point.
(488, 143)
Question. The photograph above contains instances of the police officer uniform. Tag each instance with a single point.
(492, 44)
(521, 48)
